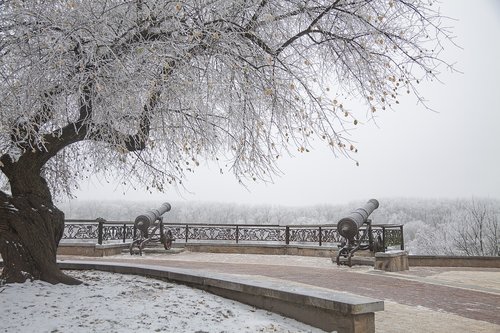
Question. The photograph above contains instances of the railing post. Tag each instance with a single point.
(100, 230)
(370, 235)
(187, 233)
(237, 234)
(124, 232)
(287, 235)
(402, 238)
(320, 237)
(161, 227)
(383, 239)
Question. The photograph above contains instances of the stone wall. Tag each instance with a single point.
(91, 249)
(454, 261)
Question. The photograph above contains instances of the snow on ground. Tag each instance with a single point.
(128, 303)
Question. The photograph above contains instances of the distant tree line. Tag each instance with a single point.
(208, 212)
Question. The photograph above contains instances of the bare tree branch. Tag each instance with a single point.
(90, 86)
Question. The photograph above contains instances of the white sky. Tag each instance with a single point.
(413, 152)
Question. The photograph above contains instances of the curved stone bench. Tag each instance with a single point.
(323, 308)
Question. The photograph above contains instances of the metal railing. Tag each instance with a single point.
(100, 230)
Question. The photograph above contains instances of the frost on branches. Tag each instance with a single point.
(147, 89)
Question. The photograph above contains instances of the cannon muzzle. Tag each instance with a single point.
(348, 226)
(142, 222)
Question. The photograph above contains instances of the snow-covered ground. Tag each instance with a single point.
(128, 303)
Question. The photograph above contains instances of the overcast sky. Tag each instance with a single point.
(410, 152)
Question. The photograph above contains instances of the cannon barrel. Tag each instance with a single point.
(142, 222)
(348, 226)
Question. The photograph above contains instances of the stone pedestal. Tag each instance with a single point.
(392, 261)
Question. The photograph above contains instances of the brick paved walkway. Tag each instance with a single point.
(409, 289)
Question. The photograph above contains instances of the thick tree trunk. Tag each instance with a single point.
(30, 230)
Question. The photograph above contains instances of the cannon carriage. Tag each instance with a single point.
(149, 229)
(356, 238)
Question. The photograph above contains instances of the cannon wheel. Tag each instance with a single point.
(139, 247)
(167, 240)
(343, 252)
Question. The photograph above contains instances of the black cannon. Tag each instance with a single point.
(148, 228)
(349, 228)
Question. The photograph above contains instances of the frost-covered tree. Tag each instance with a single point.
(478, 229)
(146, 89)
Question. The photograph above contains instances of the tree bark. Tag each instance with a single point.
(30, 230)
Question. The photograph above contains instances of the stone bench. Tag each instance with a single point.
(319, 307)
